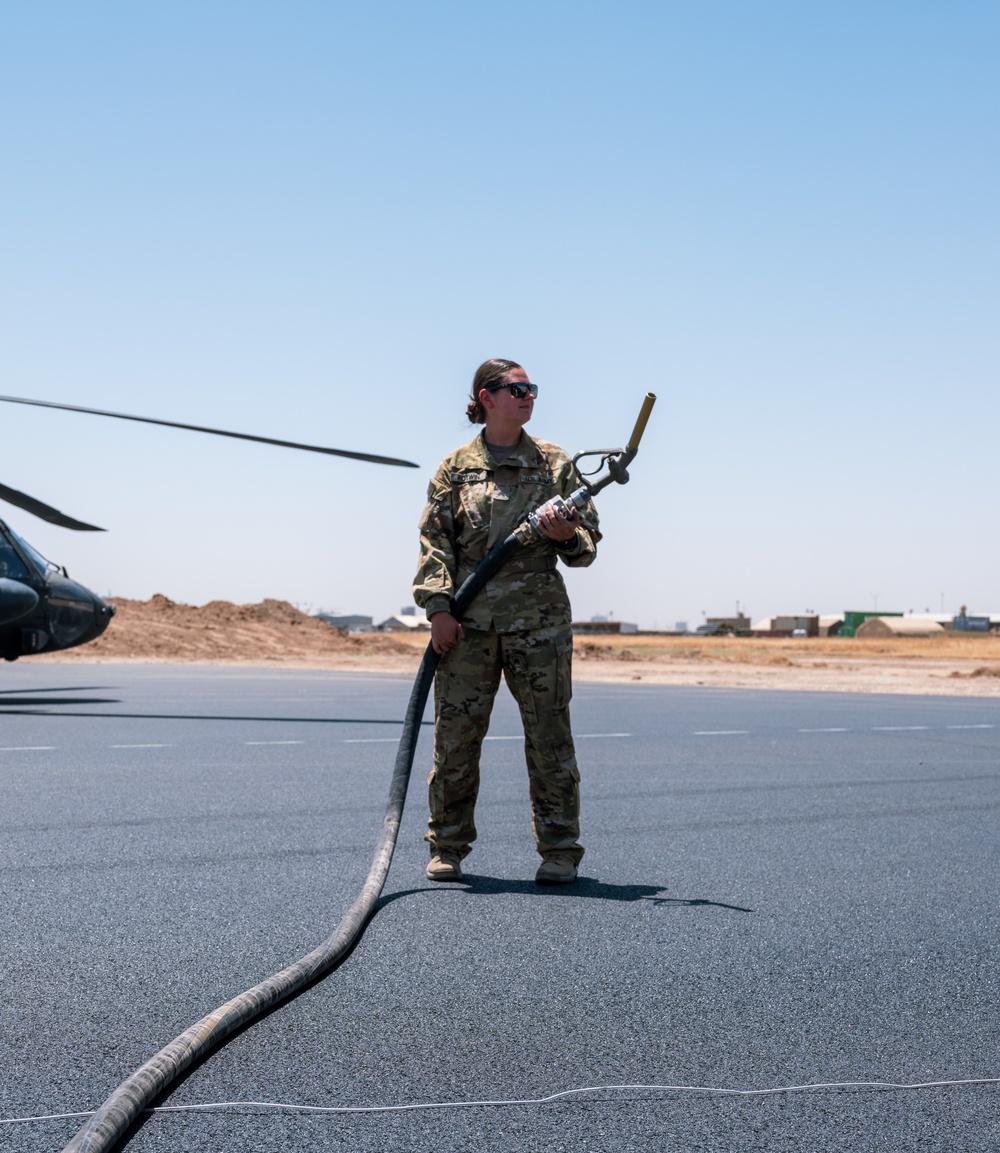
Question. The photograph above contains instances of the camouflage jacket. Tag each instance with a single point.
(473, 503)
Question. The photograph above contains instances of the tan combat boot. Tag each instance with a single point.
(445, 865)
(556, 869)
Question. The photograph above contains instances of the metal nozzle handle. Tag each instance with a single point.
(640, 424)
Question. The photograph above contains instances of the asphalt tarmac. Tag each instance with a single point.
(780, 889)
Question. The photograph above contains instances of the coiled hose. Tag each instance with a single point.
(112, 1120)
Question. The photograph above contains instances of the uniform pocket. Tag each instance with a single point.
(538, 669)
(475, 498)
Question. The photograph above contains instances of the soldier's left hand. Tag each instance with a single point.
(555, 527)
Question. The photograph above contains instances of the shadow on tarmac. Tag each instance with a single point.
(38, 708)
(677, 901)
(38, 711)
(8, 699)
(60, 689)
(588, 887)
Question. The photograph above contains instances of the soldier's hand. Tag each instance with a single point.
(558, 528)
(446, 632)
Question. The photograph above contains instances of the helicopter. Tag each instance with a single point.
(42, 610)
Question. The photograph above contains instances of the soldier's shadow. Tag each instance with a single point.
(477, 885)
(588, 887)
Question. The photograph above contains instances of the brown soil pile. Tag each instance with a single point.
(223, 633)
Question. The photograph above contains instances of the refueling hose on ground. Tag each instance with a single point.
(110, 1123)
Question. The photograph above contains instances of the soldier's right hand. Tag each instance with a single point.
(446, 632)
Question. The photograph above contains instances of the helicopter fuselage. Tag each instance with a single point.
(41, 609)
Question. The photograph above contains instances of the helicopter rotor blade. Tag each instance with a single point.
(44, 511)
(216, 432)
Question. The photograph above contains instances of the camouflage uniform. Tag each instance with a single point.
(518, 624)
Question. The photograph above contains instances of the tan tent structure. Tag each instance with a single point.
(899, 627)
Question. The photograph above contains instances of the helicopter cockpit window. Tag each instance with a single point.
(44, 566)
(11, 564)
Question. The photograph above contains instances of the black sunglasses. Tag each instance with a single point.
(517, 390)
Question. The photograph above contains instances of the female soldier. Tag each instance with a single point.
(518, 624)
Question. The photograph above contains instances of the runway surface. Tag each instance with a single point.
(780, 889)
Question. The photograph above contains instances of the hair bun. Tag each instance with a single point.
(490, 372)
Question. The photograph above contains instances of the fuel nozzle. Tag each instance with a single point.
(613, 463)
(615, 460)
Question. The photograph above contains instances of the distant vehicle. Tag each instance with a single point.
(714, 629)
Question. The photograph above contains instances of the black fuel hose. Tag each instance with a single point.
(110, 1123)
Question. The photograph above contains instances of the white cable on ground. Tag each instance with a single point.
(291, 1107)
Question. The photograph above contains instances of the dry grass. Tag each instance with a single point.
(789, 650)
(779, 651)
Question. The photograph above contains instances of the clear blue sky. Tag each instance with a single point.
(313, 220)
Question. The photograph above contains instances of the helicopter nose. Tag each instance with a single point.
(74, 614)
(103, 612)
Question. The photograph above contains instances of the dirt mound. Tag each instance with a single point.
(273, 632)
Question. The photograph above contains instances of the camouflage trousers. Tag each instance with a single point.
(536, 665)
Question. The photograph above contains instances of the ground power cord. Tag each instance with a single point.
(253, 1107)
